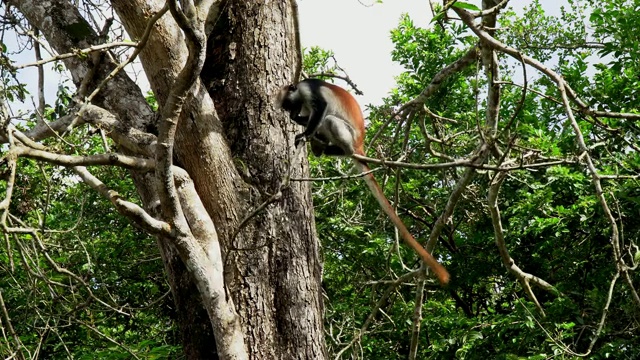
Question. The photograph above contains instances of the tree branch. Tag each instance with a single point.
(379, 304)
(566, 92)
(507, 261)
(79, 53)
(172, 109)
(467, 59)
(128, 162)
(417, 319)
(126, 208)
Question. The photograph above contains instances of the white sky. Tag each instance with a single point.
(360, 38)
(358, 34)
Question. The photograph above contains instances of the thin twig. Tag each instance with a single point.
(126, 208)
(335, 178)
(79, 53)
(117, 69)
(417, 319)
(128, 162)
(111, 340)
(377, 307)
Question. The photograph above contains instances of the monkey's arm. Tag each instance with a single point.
(319, 107)
(318, 110)
(300, 120)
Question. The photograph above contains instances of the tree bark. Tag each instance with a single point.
(238, 154)
(251, 53)
(272, 270)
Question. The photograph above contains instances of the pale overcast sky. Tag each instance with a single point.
(360, 37)
(358, 34)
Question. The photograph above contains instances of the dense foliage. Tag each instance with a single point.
(91, 285)
(554, 226)
(84, 283)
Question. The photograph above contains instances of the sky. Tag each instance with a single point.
(357, 31)
(359, 36)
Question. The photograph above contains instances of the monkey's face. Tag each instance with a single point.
(287, 98)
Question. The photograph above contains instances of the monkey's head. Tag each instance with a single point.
(287, 99)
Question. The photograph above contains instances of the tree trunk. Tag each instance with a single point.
(276, 280)
(272, 268)
(237, 154)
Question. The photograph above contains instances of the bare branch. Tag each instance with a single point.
(126, 208)
(491, 11)
(417, 103)
(41, 100)
(128, 162)
(108, 338)
(171, 112)
(417, 319)
(334, 178)
(507, 261)
(438, 117)
(296, 29)
(344, 78)
(470, 163)
(455, 196)
(605, 311)
(117, 69)
(379, 304)
(61, 270)
(468, 19)
(584, 111)
(4, 205)
(465, 60)
(125, 136)
(79, 53)
(566, 92)
(12, 331)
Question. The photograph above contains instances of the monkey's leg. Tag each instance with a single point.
(317, 147)
(339, 134)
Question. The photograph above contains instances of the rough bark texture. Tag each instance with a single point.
(236, 162)
(124, 98)
(162, 58)
(276, 283)
(272, 268)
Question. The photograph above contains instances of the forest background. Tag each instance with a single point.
(181, 222)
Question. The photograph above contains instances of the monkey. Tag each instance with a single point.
(300, 115)
(334, 126)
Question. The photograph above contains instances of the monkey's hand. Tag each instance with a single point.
(300, 139)
(300, 120)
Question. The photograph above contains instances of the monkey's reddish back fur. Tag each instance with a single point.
(351, 106)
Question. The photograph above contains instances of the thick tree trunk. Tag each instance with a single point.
(276, 281)
(272, 268)
(237, 162)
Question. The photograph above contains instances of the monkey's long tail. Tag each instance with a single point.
(434, 265)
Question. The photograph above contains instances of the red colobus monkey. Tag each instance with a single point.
(335, 127)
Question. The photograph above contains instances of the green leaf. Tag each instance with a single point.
(466, 6)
